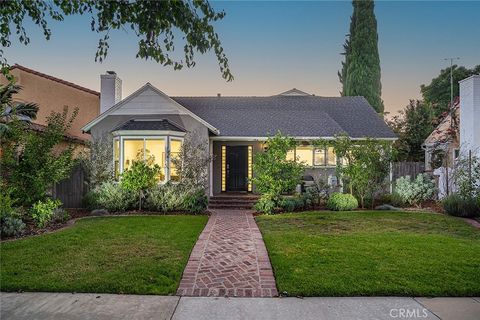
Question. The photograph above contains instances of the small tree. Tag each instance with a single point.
(140, 177)
(98, 162)
(192, 162)
(365, 164)
(274, 174)
(32, 162)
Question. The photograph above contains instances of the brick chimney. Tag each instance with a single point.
(110, 90)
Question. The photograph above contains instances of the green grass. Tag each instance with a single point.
(372, 253)
(138, 255)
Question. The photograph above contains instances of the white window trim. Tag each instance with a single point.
(317, 166)
(166, 138)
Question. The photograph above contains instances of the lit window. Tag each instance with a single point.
(175, 148)
(291, 155)
(116, 158)
(224, 168)
(319, 157)
(155, 154)
(331, 157)
(250, 170)
(305, 155)
(132, 151)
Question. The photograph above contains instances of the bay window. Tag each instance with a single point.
(153, 149)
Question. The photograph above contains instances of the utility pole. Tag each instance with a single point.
(451, 80)
(451, 111)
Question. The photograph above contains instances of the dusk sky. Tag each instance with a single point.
(273, 47)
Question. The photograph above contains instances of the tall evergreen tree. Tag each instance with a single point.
(360, 75)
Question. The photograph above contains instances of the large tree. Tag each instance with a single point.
(437, 93)
(412, 125)
(360, 75)
(155, 23)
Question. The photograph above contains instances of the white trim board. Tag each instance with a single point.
(147, 107)
(234, 138)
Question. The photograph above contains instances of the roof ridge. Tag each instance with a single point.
(52, 78)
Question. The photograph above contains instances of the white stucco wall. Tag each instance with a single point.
(470, 115)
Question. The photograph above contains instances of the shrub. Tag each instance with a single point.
(341, 202)
(417, 191)
(110, 196)
(140, 177)
(288, 204)
(11, 226)
(266, 204)
(176, 197)
(195, 201)
(42, 211)
(274, 174)
(164, 198)
(394, 199)
(6, 202)
(456, 205)
(90, 200)
(60, 215)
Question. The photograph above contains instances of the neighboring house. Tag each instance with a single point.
(460, 133)
(53, 94)
(455, 136)
(149, 122)
(444, 139)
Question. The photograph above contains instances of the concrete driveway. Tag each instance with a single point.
(67, 306)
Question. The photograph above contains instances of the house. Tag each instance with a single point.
(457, 135)
(52, 94)
(443, 140)
(149, 122)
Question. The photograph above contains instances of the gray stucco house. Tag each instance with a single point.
(151, 123)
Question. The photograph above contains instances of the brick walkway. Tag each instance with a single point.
(229, 259)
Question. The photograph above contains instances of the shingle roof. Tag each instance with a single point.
(301, 116)
(162, 124)
(46, 76)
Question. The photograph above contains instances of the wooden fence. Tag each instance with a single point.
(72, 190)
(402, 169)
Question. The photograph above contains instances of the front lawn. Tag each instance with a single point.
(140, 255)
(372, 253)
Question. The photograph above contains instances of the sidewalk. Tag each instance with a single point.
(67, 306)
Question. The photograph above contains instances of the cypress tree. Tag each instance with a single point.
(360, 75)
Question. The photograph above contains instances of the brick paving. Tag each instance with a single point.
(229, 259)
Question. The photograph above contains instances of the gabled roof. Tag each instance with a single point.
(298, 116)
(294, 92)
(46, 76)
(145, 87)
(443, 132)
(138, 124)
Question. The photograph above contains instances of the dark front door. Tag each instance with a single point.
(237, 167)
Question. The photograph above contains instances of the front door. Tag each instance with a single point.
(237, 167)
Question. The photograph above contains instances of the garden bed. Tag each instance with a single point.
(372, 253)
(137, 255)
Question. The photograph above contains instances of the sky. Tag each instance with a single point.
(274, 46)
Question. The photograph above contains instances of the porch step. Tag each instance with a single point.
(232, 202)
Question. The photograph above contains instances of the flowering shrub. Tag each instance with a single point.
(417, 191)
